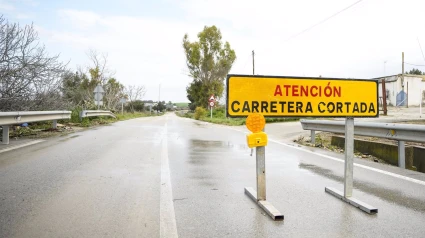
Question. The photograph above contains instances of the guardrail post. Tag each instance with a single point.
(401, 154)
(349, 156)
(313, 137)
(5, 137)
(55, 124)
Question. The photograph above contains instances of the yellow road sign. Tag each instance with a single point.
(275, 96)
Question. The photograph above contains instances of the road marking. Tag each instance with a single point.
(355, 164)
(342, 161)
(21, 145)
(168, 227)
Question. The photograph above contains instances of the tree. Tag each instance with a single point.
(72, 87)
(160, 106)
(133, 94)
(114, 91)
(209, 61)
(99, 70)
(30, 79)
(136, 106)
(415, 72)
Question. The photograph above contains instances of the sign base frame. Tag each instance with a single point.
(355, 202)
(265, 205)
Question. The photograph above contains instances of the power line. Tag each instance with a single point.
(421, 48)
(421, 65)
(323, 21)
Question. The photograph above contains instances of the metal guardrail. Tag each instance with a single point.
(10, 118)
(392, 131)
(95, 113)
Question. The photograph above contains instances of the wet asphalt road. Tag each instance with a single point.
(113, 181)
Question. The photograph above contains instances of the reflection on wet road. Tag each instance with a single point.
(390, 195)
(110, 182)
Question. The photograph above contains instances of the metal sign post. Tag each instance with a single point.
(348, 172)
(122, 101)
(260, 154)
(258, 139)
(211, 103)
(349, 157)
(98, 96)
(211, 107)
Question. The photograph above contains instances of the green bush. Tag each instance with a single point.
(75, 114)
(218, 112)
(199, 113)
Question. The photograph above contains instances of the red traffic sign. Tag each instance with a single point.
(212, 104)
(212, 99)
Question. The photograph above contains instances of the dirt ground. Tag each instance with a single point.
(17, 132)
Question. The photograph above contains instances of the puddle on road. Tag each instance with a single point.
(206, 156)
(200, 151)
(196, 144)
(389, 195)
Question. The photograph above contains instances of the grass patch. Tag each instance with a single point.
(225, 121)
(87, 121)
(44, 129)
(182, 104)
(218, 117)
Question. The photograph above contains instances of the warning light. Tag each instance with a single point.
(255, 122)
(256, 139)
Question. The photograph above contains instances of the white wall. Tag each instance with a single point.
(415, 88)
(413, 85)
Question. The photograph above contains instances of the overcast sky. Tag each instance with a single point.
(143, 38)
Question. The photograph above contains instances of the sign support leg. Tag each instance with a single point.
(349, 156)
(259, 196)
(261, 172)
(211, 112)
(346, 196)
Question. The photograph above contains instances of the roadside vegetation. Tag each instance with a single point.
(219, 117)
(31, 79)
(44, 129)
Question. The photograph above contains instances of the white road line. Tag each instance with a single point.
(168, 227)
(21, 145)
(342, 161)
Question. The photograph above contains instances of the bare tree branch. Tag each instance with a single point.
(29, 77)
(134, 93)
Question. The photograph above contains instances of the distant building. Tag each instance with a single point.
(409, 92)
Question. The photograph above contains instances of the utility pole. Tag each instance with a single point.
(159, 98)
(253, 64)
(384, 91)
(402, 79)
(402, 70)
